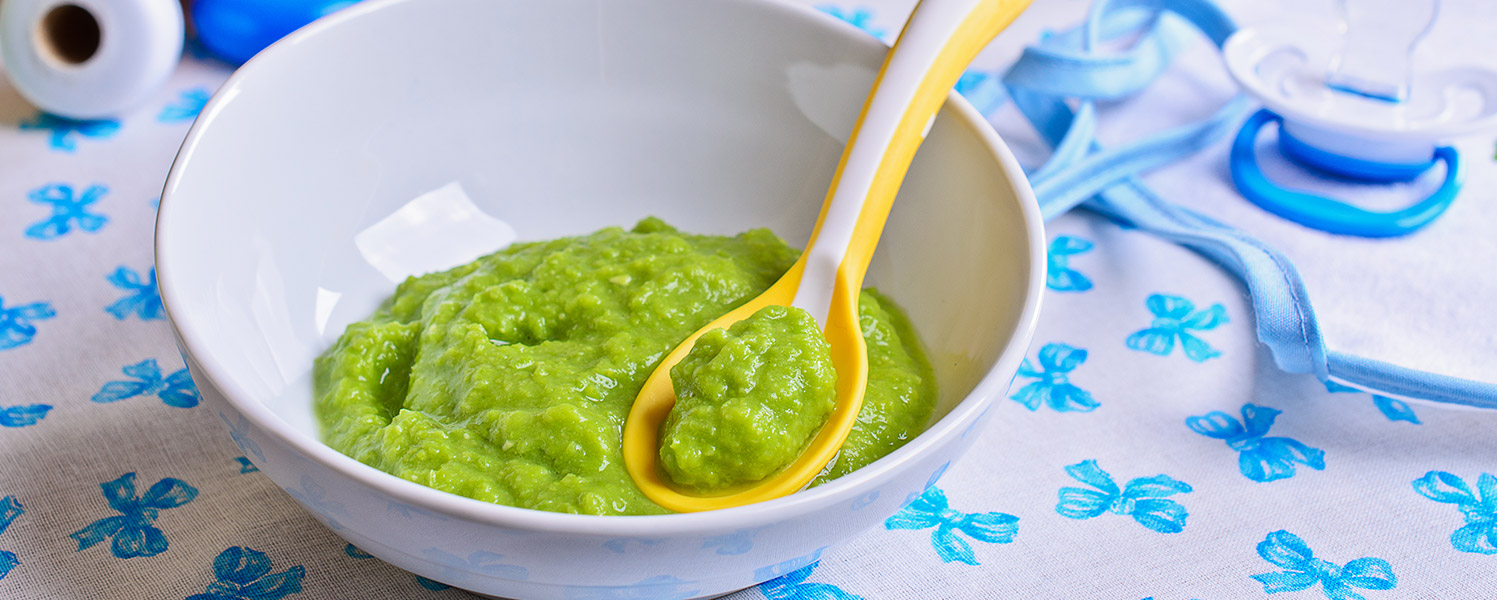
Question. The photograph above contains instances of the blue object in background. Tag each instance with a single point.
(236, 30)
(1328, 214)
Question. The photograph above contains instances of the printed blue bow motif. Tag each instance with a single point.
(173, 390)
(23, 415)
(244, 574)
(143, 299)
(860, 17)
(932, 510)
(1392, 408)
(68, 209)
(63, 129)
(245, 466)
(1176, 317)
(10, 509)
(793, 586)
(1262, 458)
(1479, 535)
(1053, 386)
(1145, 499)
(133, 532)
(1059, 275)
(15, 322)
(1302, 570)
(187, 107)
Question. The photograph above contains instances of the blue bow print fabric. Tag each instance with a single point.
(141, 298)
(23, 415)
(245, 574)
(1151, 444)
(1052, 386)
(1479, 507)
(1260, 458)
(931, 510)
(1175, 318)
(793, 586)
(189, 104)
(1302, 570)
(173, 390)
(69, 210)
(133, 533)
(64, 133)
(1059, 275)
(10, 510)
(1145, 499)
(17, 322)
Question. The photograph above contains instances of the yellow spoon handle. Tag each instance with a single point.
(940, 39)
(937, 43)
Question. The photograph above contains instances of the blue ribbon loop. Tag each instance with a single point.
(1069, 66)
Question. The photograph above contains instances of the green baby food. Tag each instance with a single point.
(508, 379)
(748, 399)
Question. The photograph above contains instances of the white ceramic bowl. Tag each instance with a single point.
(405, 136)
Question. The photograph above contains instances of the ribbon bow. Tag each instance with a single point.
(932, 510)
(143, 299)
(244, 574)
(15, 322)
(133, 533)
(174, 390)
(1054, 386)
(1143, 498)
(1479, 535)
(1302, 570)
(793, 586)
(1175, 317)
(1060, 276)
(1262, 458)
(10, 508)
(66, 209)
(63, 128)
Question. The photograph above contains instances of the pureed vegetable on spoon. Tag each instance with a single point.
(508, 379)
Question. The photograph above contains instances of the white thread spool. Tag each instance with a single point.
(88, 59)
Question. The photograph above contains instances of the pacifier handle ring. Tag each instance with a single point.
(1327, 214)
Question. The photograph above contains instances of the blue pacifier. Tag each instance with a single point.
(1349, 103)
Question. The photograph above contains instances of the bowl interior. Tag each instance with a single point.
(423, 134)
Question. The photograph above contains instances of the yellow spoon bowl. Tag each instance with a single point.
(938, 42)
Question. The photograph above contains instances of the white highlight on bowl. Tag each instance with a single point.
(438, 230)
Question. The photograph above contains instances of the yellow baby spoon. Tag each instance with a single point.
(939, 40)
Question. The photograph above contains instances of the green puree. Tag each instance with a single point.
(748, 399)
(509, 379)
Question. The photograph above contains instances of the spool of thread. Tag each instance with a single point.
(89, 59)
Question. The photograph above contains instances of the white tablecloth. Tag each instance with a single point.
(1111, 473)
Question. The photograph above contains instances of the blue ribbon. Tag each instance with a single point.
(1081, 172)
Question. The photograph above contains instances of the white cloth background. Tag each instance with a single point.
(1422, 301)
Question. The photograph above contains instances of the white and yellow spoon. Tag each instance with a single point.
(938, 42)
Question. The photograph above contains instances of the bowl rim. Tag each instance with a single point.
(998, 376)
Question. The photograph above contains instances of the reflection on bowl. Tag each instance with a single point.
(405, 136)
